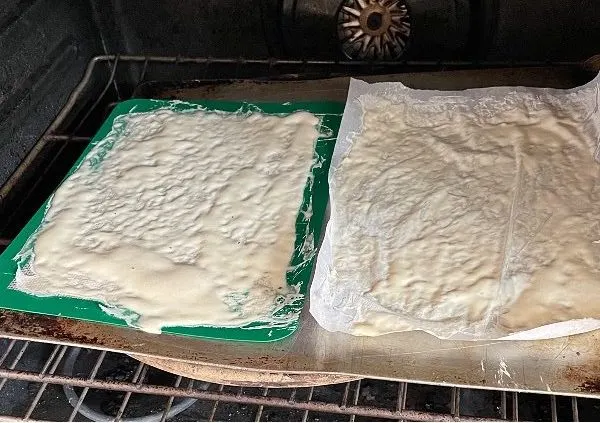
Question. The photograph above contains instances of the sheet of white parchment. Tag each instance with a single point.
(325, 298)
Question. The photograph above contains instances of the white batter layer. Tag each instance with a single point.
(189, 220)
(460, 223)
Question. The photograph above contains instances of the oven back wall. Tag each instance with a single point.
(219, 28)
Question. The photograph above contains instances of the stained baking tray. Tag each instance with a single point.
(569, 365)
(315, 196)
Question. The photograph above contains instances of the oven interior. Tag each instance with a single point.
(162, 49)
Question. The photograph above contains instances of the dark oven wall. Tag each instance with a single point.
(45, 46)
(220, 28)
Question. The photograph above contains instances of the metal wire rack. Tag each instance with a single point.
(59, 382)
(40, 381)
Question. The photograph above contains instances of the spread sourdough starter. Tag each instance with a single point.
(476, 218)
(189, 219)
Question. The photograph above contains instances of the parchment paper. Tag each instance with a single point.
(325, 298)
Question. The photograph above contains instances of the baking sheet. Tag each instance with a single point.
(315, 196)
(325, 299)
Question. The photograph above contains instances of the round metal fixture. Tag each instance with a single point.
(373, 29)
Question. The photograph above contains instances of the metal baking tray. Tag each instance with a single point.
(569, 365)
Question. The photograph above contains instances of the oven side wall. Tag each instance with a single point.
(45, 46)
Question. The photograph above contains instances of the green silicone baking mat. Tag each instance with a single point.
(317, 193)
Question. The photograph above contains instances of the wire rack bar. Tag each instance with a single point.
(170, 400)
(455, 403)
(401, 403)
(553, 410)
(261, 407)
(515, 406)
(85, 391)
(575, 409)
(345, 396)
(273, 62)
(215, 405)
(66, 138)
(306, 411)
(138, 377)
(9, 348)
(355, 399)
(55, 358)
(14, 364)
(503, 411)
